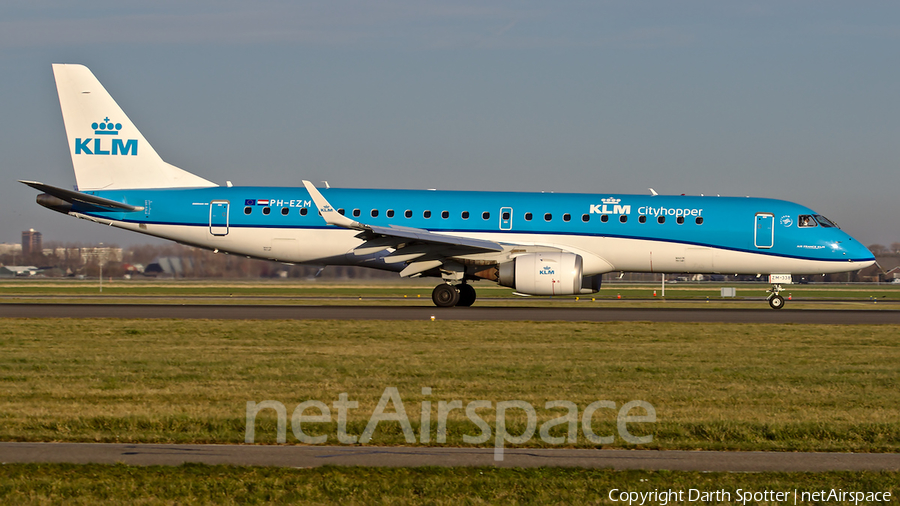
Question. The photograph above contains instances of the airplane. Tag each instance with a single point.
(536, 243)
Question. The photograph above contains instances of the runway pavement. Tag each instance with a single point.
(313, 456)
(361, 312)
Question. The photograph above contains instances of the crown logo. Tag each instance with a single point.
(106, 128)
(611, 200)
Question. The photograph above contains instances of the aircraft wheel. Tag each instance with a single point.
(466, 295)
(776, 302)
(445, 295)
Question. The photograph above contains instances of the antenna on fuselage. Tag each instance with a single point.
(326, 184)
(653, 192)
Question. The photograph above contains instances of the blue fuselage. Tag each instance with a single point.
(751, 225)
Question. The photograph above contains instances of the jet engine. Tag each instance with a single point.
(552, 273)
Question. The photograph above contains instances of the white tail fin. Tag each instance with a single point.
(108, 151)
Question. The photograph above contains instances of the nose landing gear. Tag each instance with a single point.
(776, 301)
(447, 295)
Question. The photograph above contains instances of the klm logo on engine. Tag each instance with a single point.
(547, 270)
(610, 206)
(99, 146)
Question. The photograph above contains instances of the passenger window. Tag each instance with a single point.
(356, 213)
(567, 217)
(806, 221)
(285, 211)
(661, 220)
(445, 214)
(623, 218)
(266, 211)
(248, 210)
(408, 213)
(604, 218)
(465, 215)
(426, 214)
(699, 220)
(374, 213)
(485, 215)
(642, 219)
(341, 212)
(585, 218)
(390, 213)
(548, 216)
(679, 220)
(527, 216)
(303, 211)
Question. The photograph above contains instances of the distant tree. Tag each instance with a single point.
(878, 249)
(896, 247)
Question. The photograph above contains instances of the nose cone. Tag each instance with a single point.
(859, 254)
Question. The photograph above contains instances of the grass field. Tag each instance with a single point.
(197, 484)
(714, 386)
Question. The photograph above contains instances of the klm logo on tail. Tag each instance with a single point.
(95, 145)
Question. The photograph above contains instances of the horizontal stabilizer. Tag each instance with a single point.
(73, 197)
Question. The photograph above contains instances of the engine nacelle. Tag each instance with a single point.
(553, 273)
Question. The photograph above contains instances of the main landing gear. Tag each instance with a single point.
(775, 301)
(447, 295)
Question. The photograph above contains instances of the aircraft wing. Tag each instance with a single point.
(421, 249)
(73, 196)
(420, 235)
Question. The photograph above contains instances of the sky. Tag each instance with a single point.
(791, 100)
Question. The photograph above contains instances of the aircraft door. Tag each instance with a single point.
(218, 217)
(505, 218)
(764, 233)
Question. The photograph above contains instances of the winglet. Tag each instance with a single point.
(332, 217)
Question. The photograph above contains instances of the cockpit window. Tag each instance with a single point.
(825, 222)
(806, 221)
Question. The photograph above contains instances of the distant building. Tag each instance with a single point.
(102, 254)
(31, 242)
(168, 266)
(893, 275)
(10, 271)
(886, 269)
(10, 249)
